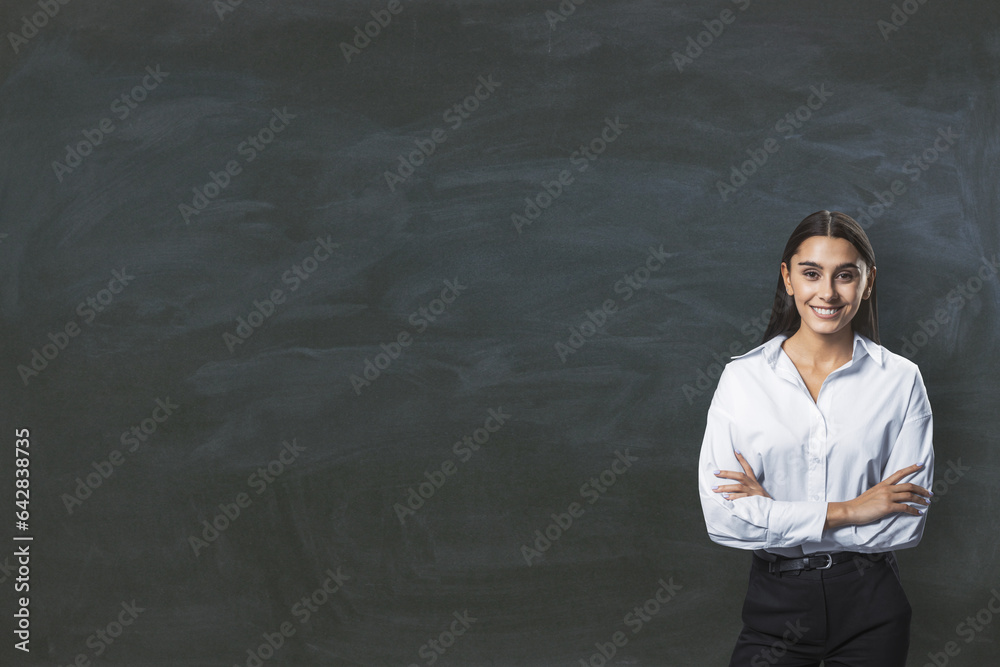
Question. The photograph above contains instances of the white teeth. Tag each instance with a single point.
(825, 311)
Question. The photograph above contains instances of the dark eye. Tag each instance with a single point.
(810, 273)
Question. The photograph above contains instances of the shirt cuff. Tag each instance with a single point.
(792, 523)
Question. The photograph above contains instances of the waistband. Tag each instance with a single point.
(819, 565)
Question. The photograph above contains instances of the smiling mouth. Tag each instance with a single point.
(826, 312)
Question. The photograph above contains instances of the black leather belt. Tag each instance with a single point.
(820, 561)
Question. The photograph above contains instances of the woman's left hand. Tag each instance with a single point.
(747, 482)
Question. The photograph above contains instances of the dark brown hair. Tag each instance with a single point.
(785, 316)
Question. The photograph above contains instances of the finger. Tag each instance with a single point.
(746, 466)
(729, 488)
(919, 490)
(903, 472)
(912, 488)
(732, 474)
(734, 496)
(906, 497)
(908, 509)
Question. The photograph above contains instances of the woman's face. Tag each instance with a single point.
(828, 280)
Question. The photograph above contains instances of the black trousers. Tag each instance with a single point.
(854, 614)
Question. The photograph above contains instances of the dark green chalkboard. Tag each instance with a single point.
(384, 333)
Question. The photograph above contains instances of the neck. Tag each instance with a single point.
(821, 349)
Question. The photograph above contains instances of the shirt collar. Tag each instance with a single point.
(772, 349)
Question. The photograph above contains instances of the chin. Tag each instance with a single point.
(829, 328)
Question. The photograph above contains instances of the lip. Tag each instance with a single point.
(827, 317)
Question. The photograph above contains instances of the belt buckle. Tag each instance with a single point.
(827, 566)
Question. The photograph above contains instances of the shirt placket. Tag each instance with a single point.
(816, 453)
(817, 441)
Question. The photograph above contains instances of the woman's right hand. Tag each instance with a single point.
(886, 497)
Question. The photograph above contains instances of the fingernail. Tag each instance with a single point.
(921, 511)
(716, 472)
(715, 487)
(921, 465)
(725, 495)
(931, 492)
(737, 451)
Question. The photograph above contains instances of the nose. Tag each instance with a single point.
(829, 292)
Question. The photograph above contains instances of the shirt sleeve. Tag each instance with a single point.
(913, 444)
(752, 522)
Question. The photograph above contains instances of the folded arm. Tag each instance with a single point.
(881, 518)
(752, 521)
(878, 520)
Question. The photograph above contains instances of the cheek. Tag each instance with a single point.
(803, 292)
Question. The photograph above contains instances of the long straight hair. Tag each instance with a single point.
(785, 316)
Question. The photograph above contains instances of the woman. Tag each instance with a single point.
(818, 456)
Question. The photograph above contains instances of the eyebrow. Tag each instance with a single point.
(845, 265)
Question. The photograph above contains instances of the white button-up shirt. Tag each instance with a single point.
(872, 418)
